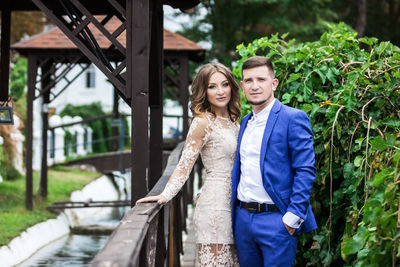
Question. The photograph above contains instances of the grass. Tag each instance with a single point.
(15, 218)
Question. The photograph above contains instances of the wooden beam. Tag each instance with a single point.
(184, 91)
(5, 50)
(155, 86)
(46, 82)
(138, 46)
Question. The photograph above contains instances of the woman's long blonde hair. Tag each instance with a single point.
(200, 104)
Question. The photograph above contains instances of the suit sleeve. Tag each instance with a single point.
(300, 139)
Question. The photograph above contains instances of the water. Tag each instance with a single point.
(76, 250)
(70, 250)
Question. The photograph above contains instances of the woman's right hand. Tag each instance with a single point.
(159, 198)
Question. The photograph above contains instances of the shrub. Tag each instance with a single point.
(350, 89)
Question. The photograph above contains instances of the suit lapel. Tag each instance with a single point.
(243, 124)
(273, 116)
(241, 131)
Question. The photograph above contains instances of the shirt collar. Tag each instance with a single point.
(263, 114)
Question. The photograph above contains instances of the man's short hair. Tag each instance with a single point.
(257, 61)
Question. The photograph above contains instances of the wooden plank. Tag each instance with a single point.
(118, 7)
(135, 226)
(138, 45)
(5, 50)
(89, 204)
(99, 26)
(123, 246)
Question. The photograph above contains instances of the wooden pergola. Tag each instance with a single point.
(135, 46)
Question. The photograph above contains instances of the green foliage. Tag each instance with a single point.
(101, 128)
(349, 87)
(18, 78)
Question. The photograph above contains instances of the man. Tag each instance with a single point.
(273, 173)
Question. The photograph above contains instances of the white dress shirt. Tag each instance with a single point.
(251, 187)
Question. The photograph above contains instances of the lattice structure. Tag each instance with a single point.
(78, 23)
(55, 70)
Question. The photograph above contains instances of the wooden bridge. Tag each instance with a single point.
(151, 234)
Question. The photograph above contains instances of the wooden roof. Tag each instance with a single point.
(55, 39)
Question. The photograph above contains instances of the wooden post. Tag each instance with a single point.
(184, 93)
(160, 249)
(47, 70)
(156, 96)
(5, 50)
(32, 71)
(138, 46)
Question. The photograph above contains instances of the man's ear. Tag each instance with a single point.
(275, 83)
(241, 84)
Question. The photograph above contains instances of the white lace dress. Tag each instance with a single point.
(215, 138)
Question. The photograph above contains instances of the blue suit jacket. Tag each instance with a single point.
(287, 162)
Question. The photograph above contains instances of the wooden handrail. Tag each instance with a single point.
(150, 234)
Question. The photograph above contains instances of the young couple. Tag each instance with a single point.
(256, 193)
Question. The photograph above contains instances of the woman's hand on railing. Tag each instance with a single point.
(159, 199)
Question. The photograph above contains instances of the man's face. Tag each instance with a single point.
(259, 85)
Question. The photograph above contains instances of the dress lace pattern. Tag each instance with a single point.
(215, 139)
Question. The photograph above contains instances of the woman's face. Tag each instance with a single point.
(218, 91)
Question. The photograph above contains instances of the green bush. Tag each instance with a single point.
(101, 128)
(18, 78)
(350, 88)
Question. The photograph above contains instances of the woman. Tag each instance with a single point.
(213, 133)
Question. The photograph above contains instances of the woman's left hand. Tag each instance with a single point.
(159, 198)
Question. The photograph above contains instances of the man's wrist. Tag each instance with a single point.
(292, 220)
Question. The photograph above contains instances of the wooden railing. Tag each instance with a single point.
(151, 234)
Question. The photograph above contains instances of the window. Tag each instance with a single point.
(90, 77)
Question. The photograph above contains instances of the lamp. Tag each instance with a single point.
(6, 115)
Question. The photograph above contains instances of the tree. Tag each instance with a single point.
(24, 23)
(230, 22)
(379, 18)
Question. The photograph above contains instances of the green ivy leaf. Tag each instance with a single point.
(391, 122)
(286, 98)
(348, 170)
(380, 177)
(358, 160)
(369, 41)
(331, 77)
(293, 77)
(353, 245)
(381, 144)
(338, 130)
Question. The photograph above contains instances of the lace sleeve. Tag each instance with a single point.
(195, 140)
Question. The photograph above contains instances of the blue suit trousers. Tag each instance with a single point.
(262, 239)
